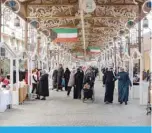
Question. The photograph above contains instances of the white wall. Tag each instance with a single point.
(146, 46)
(146, 42)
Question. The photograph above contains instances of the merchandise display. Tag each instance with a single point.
(22, 92)
(5, 99)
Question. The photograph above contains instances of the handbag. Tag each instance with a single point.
(63, 82)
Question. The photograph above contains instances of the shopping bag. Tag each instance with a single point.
(63, 82)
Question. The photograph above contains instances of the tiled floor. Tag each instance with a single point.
(60, 110)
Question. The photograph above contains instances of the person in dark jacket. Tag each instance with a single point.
(60, 77)
(110, 85)
(67, 77)
(78, 84)
(82, 76)
(89, 73)
(43, 89)
(148, 75)
(54, 78)
(104, 76)
(96, 72)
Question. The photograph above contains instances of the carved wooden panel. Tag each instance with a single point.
(101, 26)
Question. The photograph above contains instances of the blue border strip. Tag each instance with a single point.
(75, 129)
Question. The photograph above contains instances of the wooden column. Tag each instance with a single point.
(38, 51)
(26, 35)
(26, 41)
(48, 58)
(139, 28)
(0, 30)
(0, 19)
(38, 46)
(11, 73)
(115, 58)
(141, 51)
(58, 57)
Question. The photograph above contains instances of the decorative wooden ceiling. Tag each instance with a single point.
(109, 17)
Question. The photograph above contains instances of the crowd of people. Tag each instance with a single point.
(76, 78)
(109, 78)
(80, 79)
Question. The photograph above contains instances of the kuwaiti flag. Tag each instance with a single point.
(92, 49)
(79, 55)
(65, 34)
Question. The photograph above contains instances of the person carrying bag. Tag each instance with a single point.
(63, 82)
(34, 81)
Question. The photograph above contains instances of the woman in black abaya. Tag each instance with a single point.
(110, 85)
(67, 77)
(78, 84)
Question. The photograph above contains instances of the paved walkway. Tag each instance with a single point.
(60, 110)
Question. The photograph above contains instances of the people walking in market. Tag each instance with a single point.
(89, 73)
(123, 86)
(66, 77)
(110, 85)
(148, 75)
(34, 81)
(43, 85)
(60, 77)
(54, 78)
(96, 71)
(104, 76)
(82, 76)
(78, 84)
(71, 81)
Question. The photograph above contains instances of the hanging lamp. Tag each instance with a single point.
(145, 23)
(38, 36)
(149, 4)
(89, 6)
(13, 35)
(17, 22)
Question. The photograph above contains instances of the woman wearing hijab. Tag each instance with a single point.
(60, 76)
(34, 81)
(66, 77)
(123, 86)
(71, 81)
(104, 76)
(44, 85)
(78, 84)
(54, 78)
(110, 85)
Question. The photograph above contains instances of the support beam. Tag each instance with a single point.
(28, 1)
(77, 17)
(0, 19)
(88, 28)
(68, 4)
(0, 29)
(83, 27)
(139, 28)
(141, 51)
(26, 40)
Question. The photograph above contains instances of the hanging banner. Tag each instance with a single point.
(89, 6)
